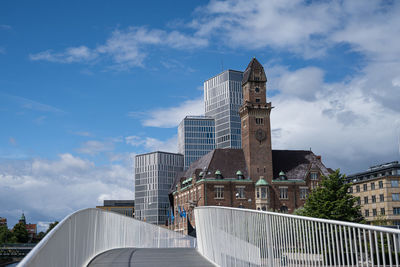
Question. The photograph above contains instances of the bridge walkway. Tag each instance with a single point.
(141, 257)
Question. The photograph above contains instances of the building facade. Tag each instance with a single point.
(124, 207)
(223, 97)
(3, 221)
(254, 177)
(196, 137)
(379, 193)
(154, 174)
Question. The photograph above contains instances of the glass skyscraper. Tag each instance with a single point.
(196, 137)
(223, 97)
(154, 173)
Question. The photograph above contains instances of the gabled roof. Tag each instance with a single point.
(228, 161)
(296, 163)
(254, 67)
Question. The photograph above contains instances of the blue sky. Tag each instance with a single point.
(86, 85)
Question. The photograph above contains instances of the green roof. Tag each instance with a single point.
(201, 174)
(282, 173)
(218, 172)
(261, 182)
(239, 172)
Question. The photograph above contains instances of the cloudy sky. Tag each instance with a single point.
(86, 85)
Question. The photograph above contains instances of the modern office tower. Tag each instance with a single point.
(154, 173)
(196, 137)
(223, 97)
(124, 207)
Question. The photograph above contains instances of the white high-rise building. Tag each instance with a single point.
(154, 174)
(196, 137)
(223, 97)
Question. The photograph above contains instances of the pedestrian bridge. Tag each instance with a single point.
(225, 237)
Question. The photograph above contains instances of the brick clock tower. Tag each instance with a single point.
(255, 118)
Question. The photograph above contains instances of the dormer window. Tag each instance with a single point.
(282, 176)
(314, 176)
(218, 174)
(239, 175)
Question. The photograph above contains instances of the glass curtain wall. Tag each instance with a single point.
(223, 97)
(154, 174)
(196, 137)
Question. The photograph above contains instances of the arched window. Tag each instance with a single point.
(284, 209)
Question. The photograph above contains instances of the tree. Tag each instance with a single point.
(21, 233)
(5, 234)
(332, 200)
(51, 226)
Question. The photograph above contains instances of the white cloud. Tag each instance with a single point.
(350, 128)
(48, 190)
(304, 83)
(70, 55)
(172, 116)
(93, 147)
(125, 48)
(153, 144)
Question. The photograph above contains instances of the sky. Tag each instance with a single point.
(87, 85)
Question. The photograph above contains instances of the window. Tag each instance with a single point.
(381, 198)
(396, 211)
(257, 90)
(283, 192)
(365, 200)
(259, 121)
(373, 199)
(240, 192)
(350, 189)
(303, 193)
(357, 188)
(372, 186)
(257, 100)
(219, 191)
(366, 213)
(263, 193)
(374, 213)
(395, 197)
(284, 209)
(314, 176)
(365, 187)
(258, 192)
(395, 183)
(381, 184)
(382, 211)
(358, 201)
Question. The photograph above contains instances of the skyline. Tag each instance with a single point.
(86, 86)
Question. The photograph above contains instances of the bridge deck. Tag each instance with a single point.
(138, 257)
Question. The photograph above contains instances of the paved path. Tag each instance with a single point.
(140, 257)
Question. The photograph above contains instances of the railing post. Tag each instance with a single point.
(269, 241)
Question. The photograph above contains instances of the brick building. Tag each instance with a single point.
(255, 176)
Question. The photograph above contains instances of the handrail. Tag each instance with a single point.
(84, 234)
(334, 222)
(261, 238)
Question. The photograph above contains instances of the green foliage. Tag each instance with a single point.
(5, 234)
(331, 200)
(51, 226)
(20, 233)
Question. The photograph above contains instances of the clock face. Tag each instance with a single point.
(260, 135)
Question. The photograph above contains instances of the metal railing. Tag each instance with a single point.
(240, 237)
(86, 233)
